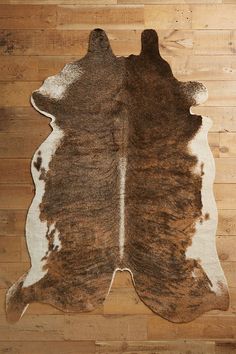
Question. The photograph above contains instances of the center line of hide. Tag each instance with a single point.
(122, 172)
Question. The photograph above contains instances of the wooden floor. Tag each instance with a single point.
(198, 38)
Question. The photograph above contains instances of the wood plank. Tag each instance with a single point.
(10, 251)
(227, 222)
(58, 42)
(224, 118)
(225, 170)
(60, 347)
(124, 301)
(225, 348)
(222, 16)
(213, 140)
(34, 68)
(225, 195)
(74, 42)
(156, 347)
(63, 2)
(202, 67)
(214, 42)
(12, 222)
(97, 327)
(37, 328)
(39, 124)
(16, 196)
(20, 145)
(163, 1)
(226, 246)
(168, 16)
(123, 42)
(10, 272)
(107, 17)
(229, 270)
(221, 93)
(27, 16)
(15, 171)
(23, 114)
(17, 93)
(160, 329)
(228, 145)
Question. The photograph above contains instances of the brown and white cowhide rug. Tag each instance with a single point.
(123, 182)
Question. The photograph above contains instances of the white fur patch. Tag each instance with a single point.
(36, 230)
(201, 96)
(55, 86)
(122, 173)
(203, 245)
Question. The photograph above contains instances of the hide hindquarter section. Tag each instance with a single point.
(163, 193)
(80, 204)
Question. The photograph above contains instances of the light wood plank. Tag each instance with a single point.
(59, 42)
(225, 170)
(160, 329)
(161, 2)
(229, 270)
(202, 67)
(168, 16)
(224, 118)
(16, 196)
(221, 93)
(60, 347)
(225, 195)
(27, 16)
(155, 347)
(107, 17)
(228, 145)
(63, 2)
(96, 327)
(214, 42)
(10, 249)
(12, 222)
(10, 272)
(227, 222)
(35, 327)
(226, 246)
(123, 42)
(213, 16)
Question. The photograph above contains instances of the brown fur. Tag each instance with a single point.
(131, 107)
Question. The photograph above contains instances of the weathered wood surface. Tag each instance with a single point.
(198, 38)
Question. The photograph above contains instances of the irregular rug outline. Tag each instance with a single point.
(123, 182)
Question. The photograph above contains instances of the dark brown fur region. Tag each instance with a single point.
(129, 107)
(38, 162)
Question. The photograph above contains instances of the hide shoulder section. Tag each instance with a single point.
(124, 181)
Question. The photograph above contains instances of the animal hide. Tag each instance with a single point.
(123, 182)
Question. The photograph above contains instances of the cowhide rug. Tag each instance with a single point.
(123, 182)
